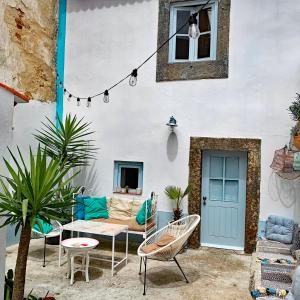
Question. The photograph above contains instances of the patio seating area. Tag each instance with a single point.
(212, 273)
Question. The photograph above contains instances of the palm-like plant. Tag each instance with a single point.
(176, 194)
(69, 142)
(29, 194)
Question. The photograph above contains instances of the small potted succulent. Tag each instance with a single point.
(294, 110)
(176, 194)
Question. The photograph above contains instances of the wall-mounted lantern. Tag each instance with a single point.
(172, 123)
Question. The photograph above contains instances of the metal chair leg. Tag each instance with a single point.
(181, 270)
(140, 272)
(44, 264)
(145, 275)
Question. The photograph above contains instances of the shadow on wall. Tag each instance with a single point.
(88, 177)
(79, 5)
(286, 191)
(172, 146)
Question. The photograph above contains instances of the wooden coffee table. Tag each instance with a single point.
(101, 229)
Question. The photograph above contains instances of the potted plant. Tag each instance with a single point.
(295, 136)
(28, 194)
(176, 195)
(294, 110)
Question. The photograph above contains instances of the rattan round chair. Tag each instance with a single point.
(177, 233)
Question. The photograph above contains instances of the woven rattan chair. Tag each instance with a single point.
(179, 232)
(56, 231)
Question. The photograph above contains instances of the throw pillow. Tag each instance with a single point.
(141, 217)
(79, 207)
(42, 226)
(95, 208)
(279, 229)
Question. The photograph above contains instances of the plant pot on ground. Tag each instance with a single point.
(176, 195)
(295, 134)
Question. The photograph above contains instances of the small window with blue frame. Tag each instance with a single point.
(128, 177)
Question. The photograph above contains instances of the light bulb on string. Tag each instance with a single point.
(106, 96)
(89, 102)
(70, 96)
(133, 78)
(78, 101)
(194, 31)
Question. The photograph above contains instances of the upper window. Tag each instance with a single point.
(206, 57)
(182, 48)
(128, 177)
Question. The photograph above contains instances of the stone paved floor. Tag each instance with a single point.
(213, 274)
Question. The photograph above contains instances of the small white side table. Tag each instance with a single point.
(79, 247)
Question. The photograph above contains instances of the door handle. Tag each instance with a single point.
(204, 200)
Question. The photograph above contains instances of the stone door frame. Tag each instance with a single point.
(253, 149)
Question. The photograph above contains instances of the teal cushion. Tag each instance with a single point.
(95, 208)
(141, 215)
(42, 226)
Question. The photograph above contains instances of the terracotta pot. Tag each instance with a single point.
(296, 141)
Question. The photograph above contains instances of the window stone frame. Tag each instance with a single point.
(209, 69)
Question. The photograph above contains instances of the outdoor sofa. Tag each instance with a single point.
(124, 210)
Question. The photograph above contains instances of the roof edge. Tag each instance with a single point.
(23, 97)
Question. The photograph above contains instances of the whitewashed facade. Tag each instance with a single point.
(106, 39)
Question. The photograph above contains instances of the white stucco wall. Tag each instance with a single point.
(107, 39)
(27, 119)
(6, 118)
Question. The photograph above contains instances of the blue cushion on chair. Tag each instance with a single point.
(79, 207)
(280, 229)
(42, 227)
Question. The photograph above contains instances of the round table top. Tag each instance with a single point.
(80, 243)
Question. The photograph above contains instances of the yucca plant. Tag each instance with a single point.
(70, 142)
(176, 194)
(28, 194)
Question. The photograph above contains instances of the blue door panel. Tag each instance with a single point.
(224, 187)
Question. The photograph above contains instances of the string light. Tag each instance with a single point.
(89, 102)
(133, 78)
(194, 32)
(106, 96)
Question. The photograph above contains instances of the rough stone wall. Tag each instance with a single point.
(28, 46)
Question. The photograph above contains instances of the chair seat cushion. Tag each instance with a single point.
(131, 223)
(279, 229)
(165, 239)
(42, 226)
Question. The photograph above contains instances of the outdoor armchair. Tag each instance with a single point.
(166, 243)
(56, 231)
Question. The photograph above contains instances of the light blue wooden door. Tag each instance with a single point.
(223, 200)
